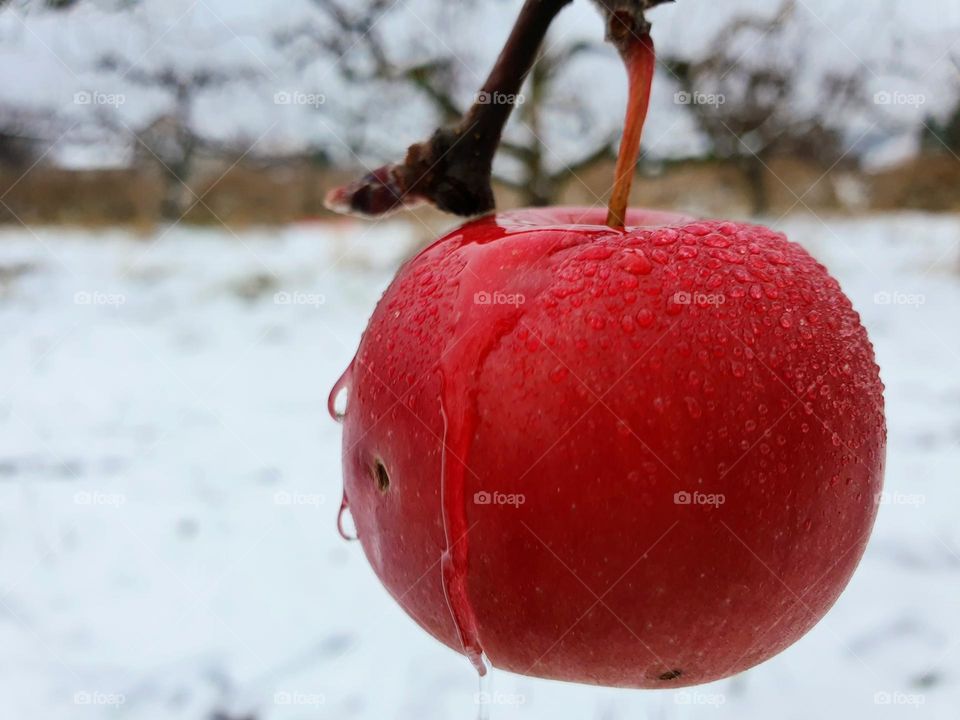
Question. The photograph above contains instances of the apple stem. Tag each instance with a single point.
(640, 59)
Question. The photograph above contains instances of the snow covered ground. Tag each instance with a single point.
(169, 482)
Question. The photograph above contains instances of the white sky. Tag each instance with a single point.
(46, 58)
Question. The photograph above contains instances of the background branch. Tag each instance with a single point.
(453, 168)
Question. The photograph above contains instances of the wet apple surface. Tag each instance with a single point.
(642, 457)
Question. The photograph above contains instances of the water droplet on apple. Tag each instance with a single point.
(664, 237)
(635, 262)
(698, 229)
(345, 524)
(339, 395)
(596, 321)
(716, 240)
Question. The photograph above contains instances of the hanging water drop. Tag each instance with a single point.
(484, 695)
(339, 395)
(345, 524)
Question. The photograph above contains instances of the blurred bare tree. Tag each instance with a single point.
(171, 140)
(351, 35)
(762, 95)
(943, 135)
(744, 93)
(19, 147)
(51, 4)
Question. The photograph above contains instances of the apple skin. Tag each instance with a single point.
(588, 406)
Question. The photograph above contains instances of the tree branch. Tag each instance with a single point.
(626, 20)
(452, 170)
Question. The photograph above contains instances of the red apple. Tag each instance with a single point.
(641, 457)
(631, 449)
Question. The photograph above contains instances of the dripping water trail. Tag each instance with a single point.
(337, 403)
(478, 329)
(484, 694)
(459, 422)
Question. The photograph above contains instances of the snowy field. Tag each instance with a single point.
(169, 483)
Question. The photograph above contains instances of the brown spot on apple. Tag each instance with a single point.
(380, 476)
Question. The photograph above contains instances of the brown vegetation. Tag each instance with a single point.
(925, 183)
(272, 193)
